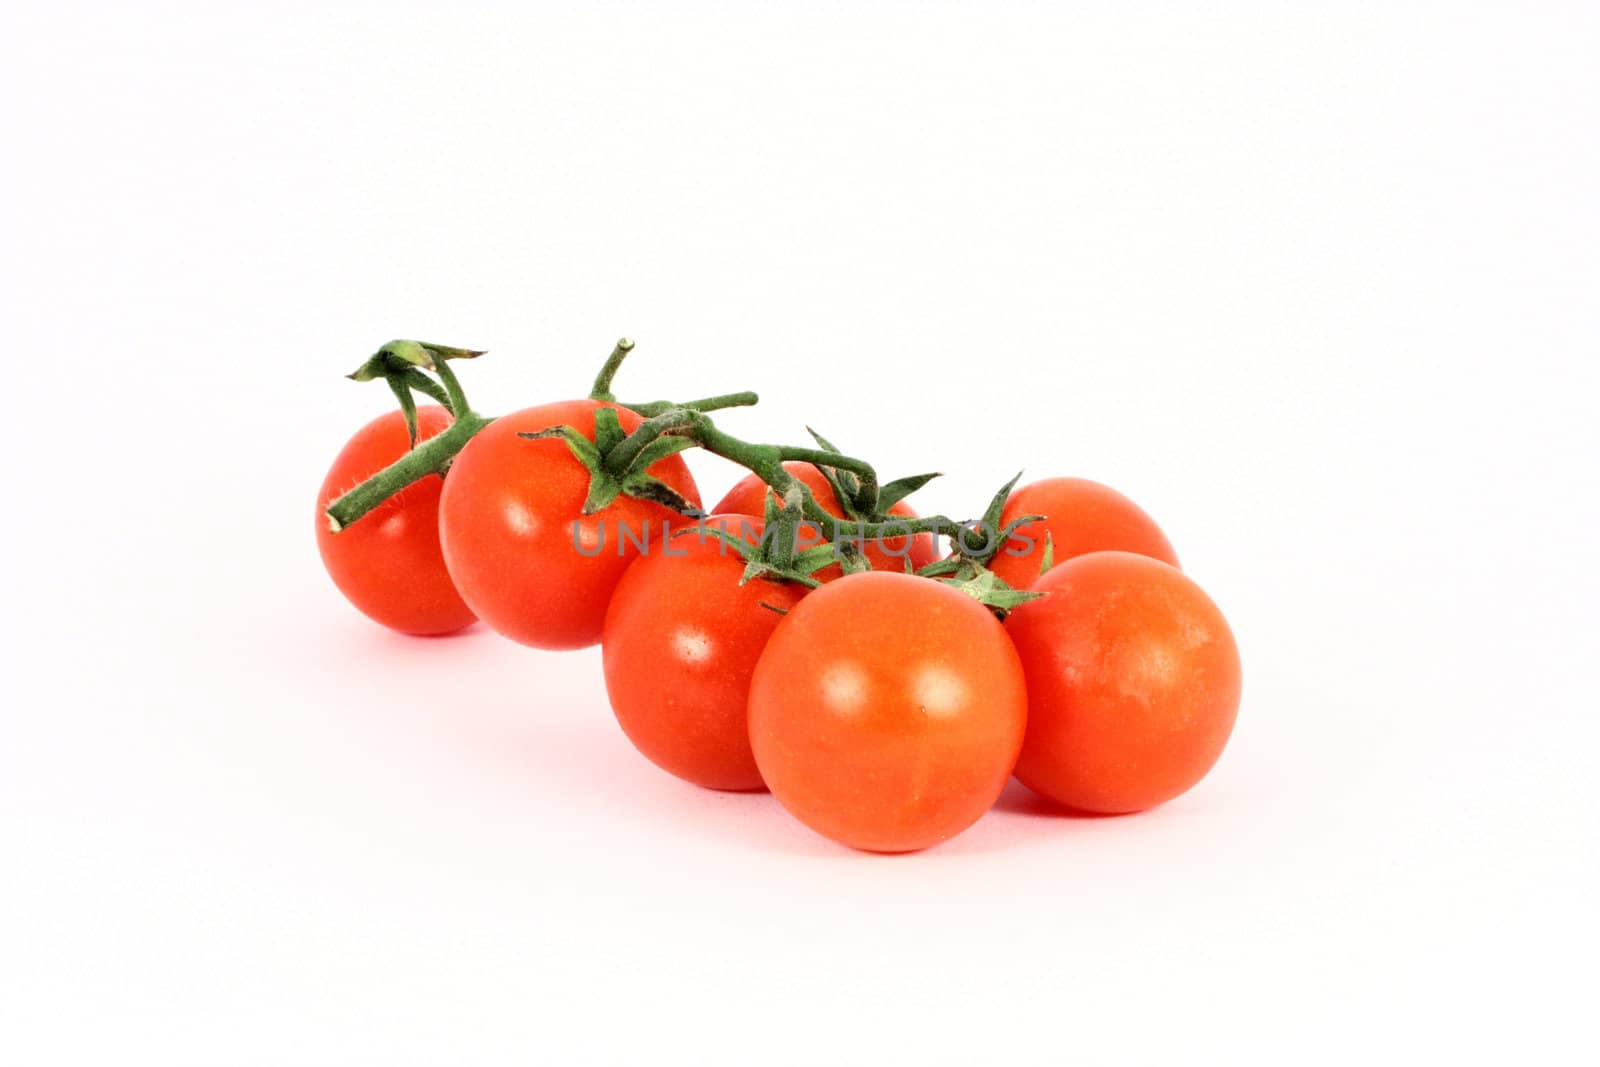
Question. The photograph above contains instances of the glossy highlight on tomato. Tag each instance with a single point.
(389, 564)
(1080, 516)
(887, 711)
(506, 523)
(1133, 683)
(749, 497)
(682, 637)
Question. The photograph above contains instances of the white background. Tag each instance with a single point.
(1319, 291)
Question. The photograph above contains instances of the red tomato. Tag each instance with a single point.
(517, 543)
(1133, 683)
(887, 711)
(388, 564)
(1080, 517)
(682, 638)
(749, 497)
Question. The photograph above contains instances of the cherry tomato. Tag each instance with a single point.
(682, 638)
(515, 538)
(749, 497)
(1133, 683)
(887, 711)
(1080, 517)
(388, 564)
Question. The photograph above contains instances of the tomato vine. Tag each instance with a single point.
(618, 463)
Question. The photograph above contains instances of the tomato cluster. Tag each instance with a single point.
(884, 708)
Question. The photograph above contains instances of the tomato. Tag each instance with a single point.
(1133, 683)
(887, 711)
(388, 564)
(682, 637)
(749, 497)
(515, 538)
(1080, 517)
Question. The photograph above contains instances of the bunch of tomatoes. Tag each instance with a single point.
(807, 635)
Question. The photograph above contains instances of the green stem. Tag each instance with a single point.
(765, 461)
(939, 525)
(865, 474)
(627, 450)
(452, 389)
(602, 381)
(786, 540)
(429, 457)
(710, 403)
(601, 390)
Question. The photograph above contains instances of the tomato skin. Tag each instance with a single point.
(749, 497)
(1133, 683)
(389, 564)
(887, 711)
(506, 525)
(681, 641)
(1080, 517)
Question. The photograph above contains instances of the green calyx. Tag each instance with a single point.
(612, 473)
(862, 499)
(981, 541)
(400, 356)
(980, 583)
(401, 364)
(404, 365)
(778, 557)
(974, 546)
